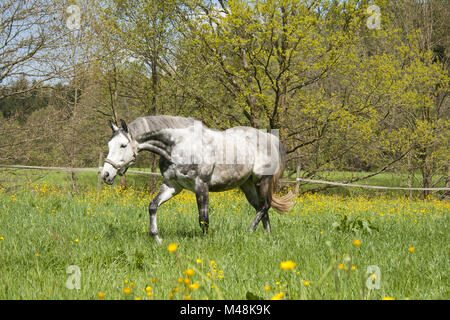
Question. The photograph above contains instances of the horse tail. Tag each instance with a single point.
(284, 203)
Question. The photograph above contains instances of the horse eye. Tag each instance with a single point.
(123, 145)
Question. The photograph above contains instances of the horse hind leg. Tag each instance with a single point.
(258, 197)
(264, 195)
(202, 195)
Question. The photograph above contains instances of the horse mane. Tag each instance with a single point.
(145, 126)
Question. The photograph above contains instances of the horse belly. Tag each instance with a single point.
(227, 177)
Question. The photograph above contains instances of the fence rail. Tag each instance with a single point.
(296, 181)
(68, 169)
(340, 184)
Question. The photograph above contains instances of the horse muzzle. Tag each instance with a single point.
(107, 178)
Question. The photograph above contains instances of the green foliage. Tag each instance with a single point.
(354, 224)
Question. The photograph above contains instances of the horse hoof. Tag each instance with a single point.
(157, 238)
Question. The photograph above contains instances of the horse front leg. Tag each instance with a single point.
(165, 193)
(202, 195)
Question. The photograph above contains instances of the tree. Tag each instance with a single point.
(145, 30)
(424, 115)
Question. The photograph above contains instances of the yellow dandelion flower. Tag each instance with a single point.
(341, 266)
(306, 283)
(125, 281)
(154, 280)
(172, 247)
(101, 295)
(186, 281)
(353, 268)
(199, 261)
(175, 289)
(138, 298)
(149, 294)
(278, 296)
(127, 290)
(37, 255)
(2, 238)
(132, 284)
(287, 265)
(187, 297)
(388, 298)
(170, 295)
(266, 288)
(77, 240)
(356, 243)
(190, 272)
(411, 249)
(148, 289)
(194, 286)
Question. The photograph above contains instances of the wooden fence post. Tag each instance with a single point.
(99, 175)
(73, 178)
(123, 181)
(447, 183)
(297, 182)
(410, 176)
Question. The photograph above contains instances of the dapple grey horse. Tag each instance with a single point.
(202, 160)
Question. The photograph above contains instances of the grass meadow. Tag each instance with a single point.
(331, 246)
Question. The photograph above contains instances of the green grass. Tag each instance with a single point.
(113, 246)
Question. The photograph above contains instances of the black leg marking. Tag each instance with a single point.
(202, 195)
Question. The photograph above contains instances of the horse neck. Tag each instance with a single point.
(165, 136)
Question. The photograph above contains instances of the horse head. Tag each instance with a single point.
(122, 152)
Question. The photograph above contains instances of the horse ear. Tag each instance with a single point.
(124, 125)
(113, 126)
